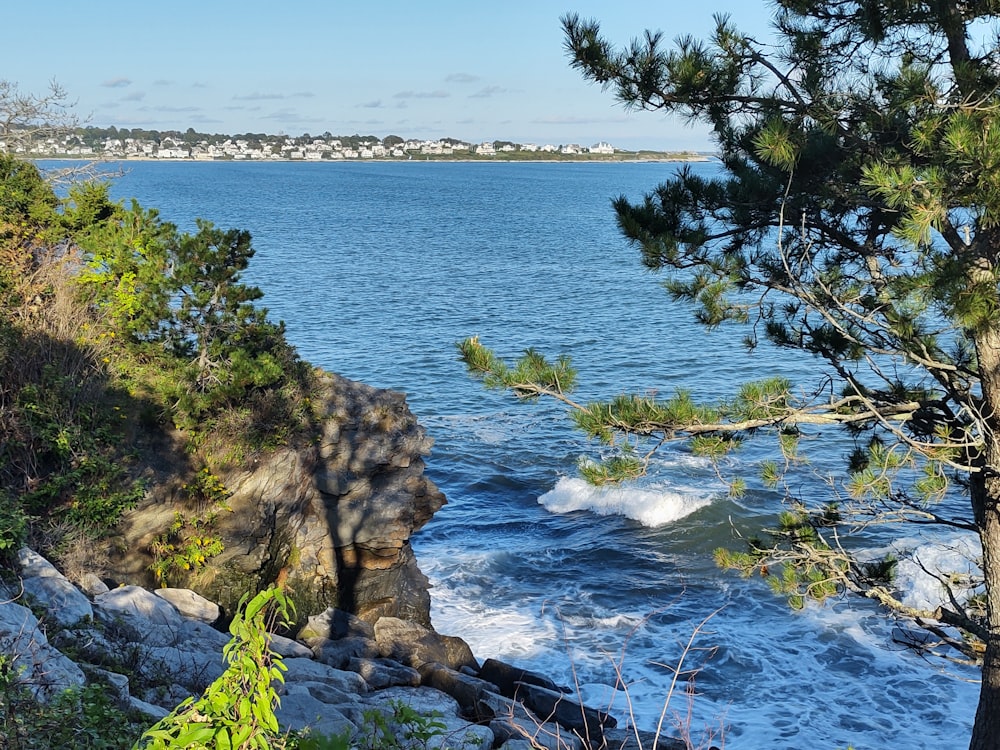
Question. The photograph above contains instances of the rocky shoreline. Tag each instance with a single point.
(152, 649)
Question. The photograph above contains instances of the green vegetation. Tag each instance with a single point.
(114, 326)
(85, 718)
(176, 304)
(857, 219)
(62, 455)
(190, 542)
(403, 728)
(237, 710)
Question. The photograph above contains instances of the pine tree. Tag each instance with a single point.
(856, 218)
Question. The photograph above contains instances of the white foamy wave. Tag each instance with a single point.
(650, 506)
(919, 576)
(617, 621)
(510, 633)
(464, 602)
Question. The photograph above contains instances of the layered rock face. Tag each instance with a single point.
(332, 518)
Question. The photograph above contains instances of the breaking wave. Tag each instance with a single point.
(651, 506)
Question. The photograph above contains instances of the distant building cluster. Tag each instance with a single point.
(304, 148)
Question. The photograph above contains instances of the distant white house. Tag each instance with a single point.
(486, 149)
(602, 148)
(174, 152)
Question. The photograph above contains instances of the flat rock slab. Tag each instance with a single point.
(190, 605)
(137, 601)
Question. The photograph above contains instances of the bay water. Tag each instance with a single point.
(378, 269)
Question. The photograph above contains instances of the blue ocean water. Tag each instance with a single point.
(379, 268)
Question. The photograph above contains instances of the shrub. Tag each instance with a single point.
(237, 710)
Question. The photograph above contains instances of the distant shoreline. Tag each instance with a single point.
(644, 158)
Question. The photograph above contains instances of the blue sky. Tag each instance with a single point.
(470, 70)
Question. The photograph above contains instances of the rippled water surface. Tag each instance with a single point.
(378, 269)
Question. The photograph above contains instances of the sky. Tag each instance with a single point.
(467, 69)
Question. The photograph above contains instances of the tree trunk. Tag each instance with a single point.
(985, 498)
(986, 730)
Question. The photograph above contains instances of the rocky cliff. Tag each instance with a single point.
(331, 516)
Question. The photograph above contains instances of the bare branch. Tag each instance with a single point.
(25, 117)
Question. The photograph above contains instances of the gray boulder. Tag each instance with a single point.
(338, 654)
(513, 722)
(43, 670)
(415, 645)
(383, 673)
(92, 585)
(195, 634)
(64, 603)
(506, 676)
(307, 670)
(135, 600)
(587, 722)
(626, 739)
(465, 689)
(334, 624)
(288, 648)
(193, 669)
(456, 734)
(300, 710)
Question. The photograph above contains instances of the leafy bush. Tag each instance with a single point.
(190, 542)
(237, 710)
(84, 718)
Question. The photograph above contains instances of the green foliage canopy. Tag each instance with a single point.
(109, 316)
(182, 292)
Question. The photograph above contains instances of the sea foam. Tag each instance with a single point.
(650, 506)
(919, 577)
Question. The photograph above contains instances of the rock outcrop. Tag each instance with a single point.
(332, 517)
